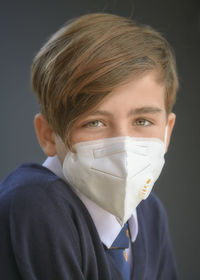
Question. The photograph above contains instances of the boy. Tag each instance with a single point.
(106, 87)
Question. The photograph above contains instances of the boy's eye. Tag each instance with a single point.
(95, 123)
(142, 122)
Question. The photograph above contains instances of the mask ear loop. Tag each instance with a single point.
(165, 138)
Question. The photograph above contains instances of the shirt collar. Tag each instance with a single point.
(106, 224)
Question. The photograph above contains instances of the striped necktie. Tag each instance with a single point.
(118, 252)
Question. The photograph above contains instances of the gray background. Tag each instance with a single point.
(25, 25)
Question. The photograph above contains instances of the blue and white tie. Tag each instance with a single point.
(118, 252)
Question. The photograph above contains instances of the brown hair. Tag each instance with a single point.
(86, 59)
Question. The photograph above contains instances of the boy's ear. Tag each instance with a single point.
(45, 135)
(170, 126)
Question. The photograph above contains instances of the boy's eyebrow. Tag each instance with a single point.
(145, 110)
(101, 112)
(136, 111)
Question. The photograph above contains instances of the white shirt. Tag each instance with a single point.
(106, 224)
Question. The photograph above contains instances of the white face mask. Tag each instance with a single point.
(116, 173)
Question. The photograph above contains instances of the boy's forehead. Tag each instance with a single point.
(142, 95)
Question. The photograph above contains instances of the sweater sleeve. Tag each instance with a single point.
(43, 237)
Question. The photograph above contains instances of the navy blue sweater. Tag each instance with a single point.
(46, 233)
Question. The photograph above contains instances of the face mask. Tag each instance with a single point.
(116, 173)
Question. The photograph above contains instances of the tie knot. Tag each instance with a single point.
(122, 240)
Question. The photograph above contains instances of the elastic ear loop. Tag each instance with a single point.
(165, 139)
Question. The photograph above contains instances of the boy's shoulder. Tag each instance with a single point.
(153, 221)
(26, 174)
(30, 176)
(153, 201)
(41, 220)
(34, 200)
(152, 209)
(28, 180)
(34, 188)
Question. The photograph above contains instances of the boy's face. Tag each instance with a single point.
(136, 109)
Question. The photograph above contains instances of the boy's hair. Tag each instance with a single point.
(86, 59)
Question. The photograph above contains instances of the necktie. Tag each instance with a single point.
(118, 253)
